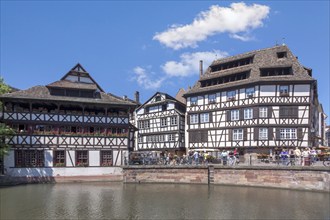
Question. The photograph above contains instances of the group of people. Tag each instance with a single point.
(305, 157)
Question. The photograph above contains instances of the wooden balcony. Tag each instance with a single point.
(71, 118)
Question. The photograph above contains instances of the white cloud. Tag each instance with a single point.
(243, 37)
(238, 18)
(189, 63)
(144, 78)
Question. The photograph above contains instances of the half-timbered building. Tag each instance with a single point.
(71, 123)
(254, 101)
(160, 122)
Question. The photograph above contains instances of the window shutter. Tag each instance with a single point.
(188, 119)
(256, 134)
(270, 134)
(278, 134)
(228, 114)
(245, 134)
(210, 117)
(270, 111)
(255, 112)
(300, 135)
(230, 135)
(241, 114)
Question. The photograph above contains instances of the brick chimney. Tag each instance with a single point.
(137, 97)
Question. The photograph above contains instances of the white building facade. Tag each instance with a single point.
(160, 122)
(255, 102)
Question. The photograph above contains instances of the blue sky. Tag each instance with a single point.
(154, 46)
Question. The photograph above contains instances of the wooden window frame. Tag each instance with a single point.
(82, 162)
(238, 134)
(59, 160)
(204, 116)
(174, 120)
(105, 159)
(29, 158)
(194, 119)
(263, 112)
(248, 113)
(234, 115)
(288, 134)
(263, 133)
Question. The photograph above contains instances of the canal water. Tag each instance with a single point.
(159, 201)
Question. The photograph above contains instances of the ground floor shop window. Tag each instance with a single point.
(106, 158)
(29, 158)
(81, 158)
(59, 158)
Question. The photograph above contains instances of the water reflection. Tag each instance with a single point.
(159, 201)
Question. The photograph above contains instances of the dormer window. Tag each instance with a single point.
(281, 55)
(284, 90)
(158, 98)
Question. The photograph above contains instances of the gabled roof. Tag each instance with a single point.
(179, 96)
(167, 99)
(79, 76)
(43, 92)
(264, 58)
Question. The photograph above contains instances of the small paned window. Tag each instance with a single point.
(171, 137)
(234, 115)
(237, 134)
(29, 158)
(59, 158)
(163, 122)
(249, 92)
(263, 133)
(106, 158)
(248, 113)
(174, 120)
(204, 117)
(263, 112)
(194, 119)
(81, 158)
(288, 133)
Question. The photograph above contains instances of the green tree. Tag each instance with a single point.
(5, 131)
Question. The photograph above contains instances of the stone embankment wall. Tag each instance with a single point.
(305, 178)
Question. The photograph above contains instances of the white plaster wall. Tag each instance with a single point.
(70, 155)
(267, 90)
(94, 158)
(48, 158)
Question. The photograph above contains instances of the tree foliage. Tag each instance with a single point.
(5, 131)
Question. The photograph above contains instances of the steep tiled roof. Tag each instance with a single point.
(264, 58)
(179, 96)
(73, 85)
(74, 79)
(42, 93)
